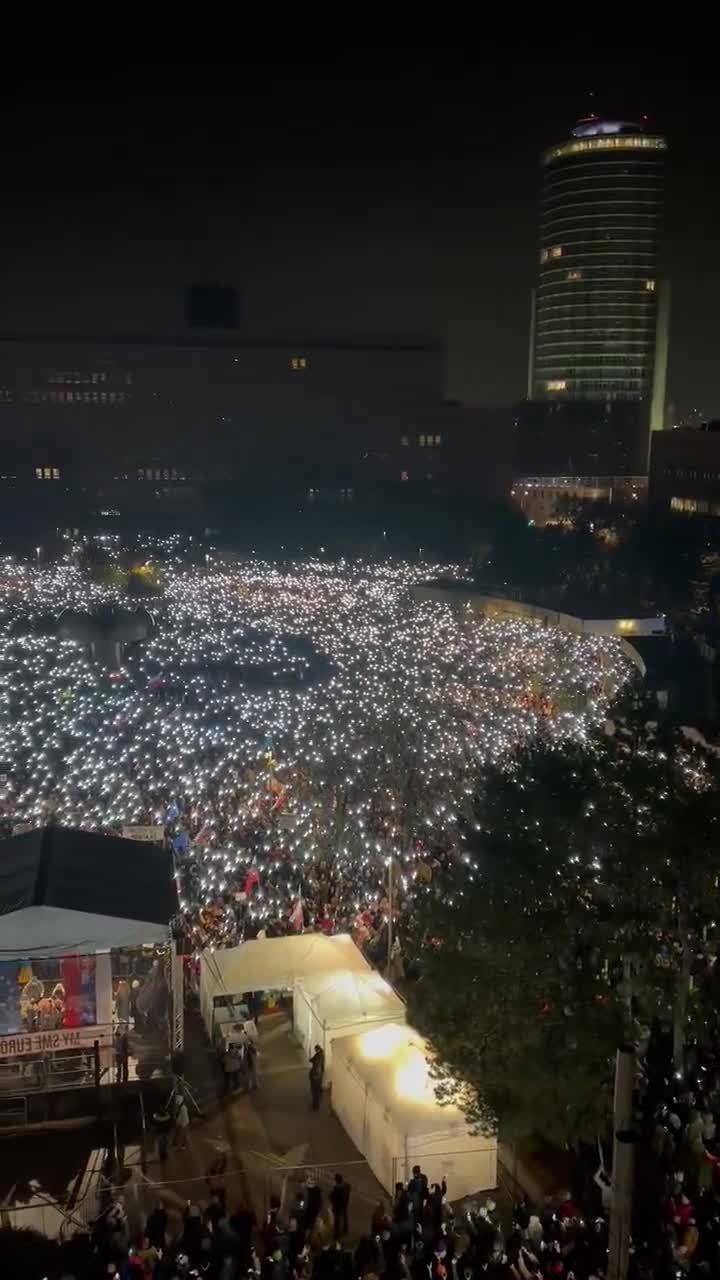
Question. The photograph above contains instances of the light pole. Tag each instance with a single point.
(390, 914)
(623, 1165)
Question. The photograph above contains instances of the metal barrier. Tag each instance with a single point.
(285, 1181)
(13, 1113)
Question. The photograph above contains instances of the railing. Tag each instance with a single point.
(44, 1072)
(68, 1058)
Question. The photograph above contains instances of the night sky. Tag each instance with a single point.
(383, 192)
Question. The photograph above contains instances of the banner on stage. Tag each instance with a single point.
(23, 1043)
(151, 835)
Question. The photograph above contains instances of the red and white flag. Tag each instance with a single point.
(297, 920)
(252, 878)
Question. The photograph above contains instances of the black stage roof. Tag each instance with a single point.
(84, 871)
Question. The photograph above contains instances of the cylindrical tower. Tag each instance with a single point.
(597, 302)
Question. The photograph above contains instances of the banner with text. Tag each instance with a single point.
(24, 1043)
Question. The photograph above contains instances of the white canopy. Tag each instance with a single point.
(341, 1004)
(384, 1097)
(57, 931)
(274, 964)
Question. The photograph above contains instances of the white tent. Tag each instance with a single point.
(341, 1004)
(384, 1098)
(273, 964)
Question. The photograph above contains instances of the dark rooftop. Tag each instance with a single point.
(84, 871)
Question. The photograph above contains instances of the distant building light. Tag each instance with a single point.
(298, 362)
(556, 384)
(629, 142)
(405, 441)
(574, 275)
(650, 286)
(404, 475)
(555, 251)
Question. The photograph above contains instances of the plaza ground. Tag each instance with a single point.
(272, 1139)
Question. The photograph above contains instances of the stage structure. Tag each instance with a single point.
(88, 970)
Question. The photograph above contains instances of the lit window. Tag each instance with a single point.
(56, 473)
(556, 384)
(650, 286)
(405, 441)
(543, 255)
(298, 362)
(574, 275)
(555, 251)
(421, 441)
(38, 473)
(404, 475)
(47, 473)
(438, 439)
(633, 143)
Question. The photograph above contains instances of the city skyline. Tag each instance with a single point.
(374, 193)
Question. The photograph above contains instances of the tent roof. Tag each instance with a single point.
(53, 872)
(276, 963)
(392, 1061)
(345, 998)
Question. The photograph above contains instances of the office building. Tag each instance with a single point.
(599, 327)
(599, 316)
(139, 424)
(685, 471)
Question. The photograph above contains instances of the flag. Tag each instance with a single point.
(297, 919)
(252, 878)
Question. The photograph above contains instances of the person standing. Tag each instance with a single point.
(162, 1121)
(232, 1063)
(339, 1201)
(251, 1055)
(313, 1203)
(122, 1052)
(317, 1071)
(418, 1190)
(156, 1226)
(182, 1122)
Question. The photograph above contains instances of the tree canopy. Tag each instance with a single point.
(574, 918)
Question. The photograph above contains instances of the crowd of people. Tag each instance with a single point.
(287, 728)
(326, 1235)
